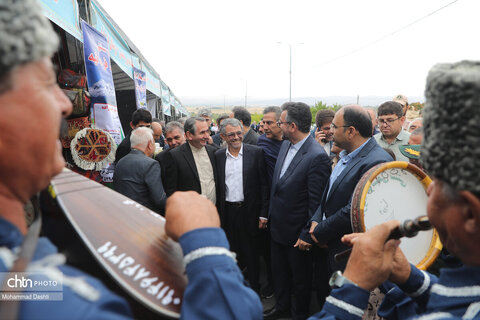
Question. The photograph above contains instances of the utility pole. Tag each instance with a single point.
(246, 89)
(290, 72)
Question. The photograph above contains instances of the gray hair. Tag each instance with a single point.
(172, 125)
(277, 110)
(230, 122)
(190, 124)
(452, 115)
(417, 132)
(182, 120)
(25, 34)
(140, 137)
(205, 113)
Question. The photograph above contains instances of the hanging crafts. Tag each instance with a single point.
(93, 149)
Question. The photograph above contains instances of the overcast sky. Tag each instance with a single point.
(215, 48)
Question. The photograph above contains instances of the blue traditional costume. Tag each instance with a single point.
(84, 297)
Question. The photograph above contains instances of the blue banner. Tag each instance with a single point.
(118, 47)
(65, 14)
(100, 82)
(139, 77)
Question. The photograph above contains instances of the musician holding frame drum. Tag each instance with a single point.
(452, 115)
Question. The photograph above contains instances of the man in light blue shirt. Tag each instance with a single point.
(352, 132)
(300, 176)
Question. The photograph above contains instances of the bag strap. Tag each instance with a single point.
(9, 309)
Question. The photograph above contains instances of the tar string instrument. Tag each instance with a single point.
(127, 240)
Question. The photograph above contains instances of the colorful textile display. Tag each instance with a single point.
(73, 126)
(93, 149)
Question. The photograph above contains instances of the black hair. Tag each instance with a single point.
(390, 107)
(141, 115)
(242, 114)
(300, 114)
(359, 119)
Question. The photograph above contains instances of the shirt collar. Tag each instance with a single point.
(348, 156)
(403, 135)
(195, 149)
(299, 144)
(240, 153)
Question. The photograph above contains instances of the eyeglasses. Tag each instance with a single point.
(334, 126)
(279, 123)
(232, 135)
(387, 121)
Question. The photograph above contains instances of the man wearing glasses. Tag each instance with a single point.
(242, 197)
(391, 135)
(300, 176)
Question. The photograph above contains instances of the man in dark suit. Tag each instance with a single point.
(242, 114)
(174, 137)
(352, 131)
(300, 176)
(138, 176)
(243, 196)
(191, 166)
(140, 118)
(216, 137)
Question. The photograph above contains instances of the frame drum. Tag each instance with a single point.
(396, 190)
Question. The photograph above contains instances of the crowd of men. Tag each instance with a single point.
(286, 192)
(276, 194)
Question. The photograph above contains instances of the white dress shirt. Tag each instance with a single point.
(234, 177)
(292, 151)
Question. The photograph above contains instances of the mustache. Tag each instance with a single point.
(63, 128)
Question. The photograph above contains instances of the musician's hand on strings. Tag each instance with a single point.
(302, 245)
(372, 259)
(186, 211)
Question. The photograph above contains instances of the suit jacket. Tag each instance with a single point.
(250, 137)
(336, 205)
(295, 197)
(123, 148)
(217, 140)
(181, 171)
(138, 177)
(255, 185)
(162, 160)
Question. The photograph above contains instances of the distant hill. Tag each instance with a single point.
(193, 104)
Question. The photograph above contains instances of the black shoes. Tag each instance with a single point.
(267, 292)
(275, 313)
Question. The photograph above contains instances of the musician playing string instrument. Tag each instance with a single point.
(30, 155)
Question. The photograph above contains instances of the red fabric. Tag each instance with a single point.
(74, 125)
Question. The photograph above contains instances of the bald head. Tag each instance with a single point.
(359, 118)
(157, 130)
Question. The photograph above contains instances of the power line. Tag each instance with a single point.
(383, 38)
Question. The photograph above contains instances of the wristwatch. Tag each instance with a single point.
(337, 280)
